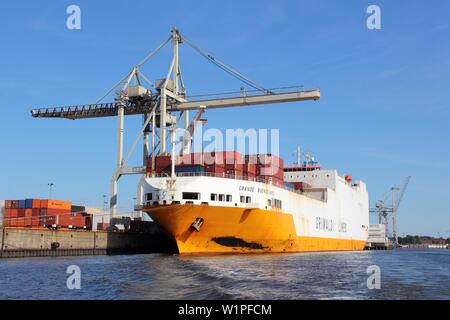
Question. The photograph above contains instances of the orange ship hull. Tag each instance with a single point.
(239, 230)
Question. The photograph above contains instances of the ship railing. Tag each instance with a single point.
(230, 176)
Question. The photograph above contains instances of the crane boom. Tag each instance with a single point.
(402, 193)
(248, 100)
(145, 106)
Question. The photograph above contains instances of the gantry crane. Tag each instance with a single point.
(388, 212)
(162, 105)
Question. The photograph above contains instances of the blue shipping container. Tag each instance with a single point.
(21, 204)
(28, 203)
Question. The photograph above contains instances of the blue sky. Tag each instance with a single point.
(384, 112)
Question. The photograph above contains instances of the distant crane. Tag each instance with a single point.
(388, 212)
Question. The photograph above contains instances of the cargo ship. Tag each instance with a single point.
(224, 202)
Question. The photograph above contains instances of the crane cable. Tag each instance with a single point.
(151, 54)
(224, 67)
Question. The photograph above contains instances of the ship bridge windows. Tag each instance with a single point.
(221, 197)
(229, 198)
(191, 196)
(149, 196)
(213, 196)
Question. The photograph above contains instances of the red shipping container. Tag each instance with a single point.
(7, 217)
(237, 167)
(13, 217)
(211, 159)
(269, 171)
(28, 216)
(71, 220)
(19, 223)
(50, 216)
(35, 221)
(249, 176)
(215, 169)
(234, 173)
(196, 158)
(36, 204)
(230, 157)
(21, 213)
(14, 204)
(8, 204)
(36, 212)
(270, 160)
(162, 161)
(250, 168)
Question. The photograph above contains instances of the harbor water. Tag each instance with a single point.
(404, 274)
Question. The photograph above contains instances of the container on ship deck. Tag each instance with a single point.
(233, 157)
(235, 166)
(215, 169)
(250, 168)
(195, 158)
(14, 204)
(249, 176)
(162, 161)
(234, 173)
(270, 160)
(190, 169)
(270, 172)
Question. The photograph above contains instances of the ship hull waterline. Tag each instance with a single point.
(239, 231)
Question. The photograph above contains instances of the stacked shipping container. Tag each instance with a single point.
(33, 213)
(230, 163)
